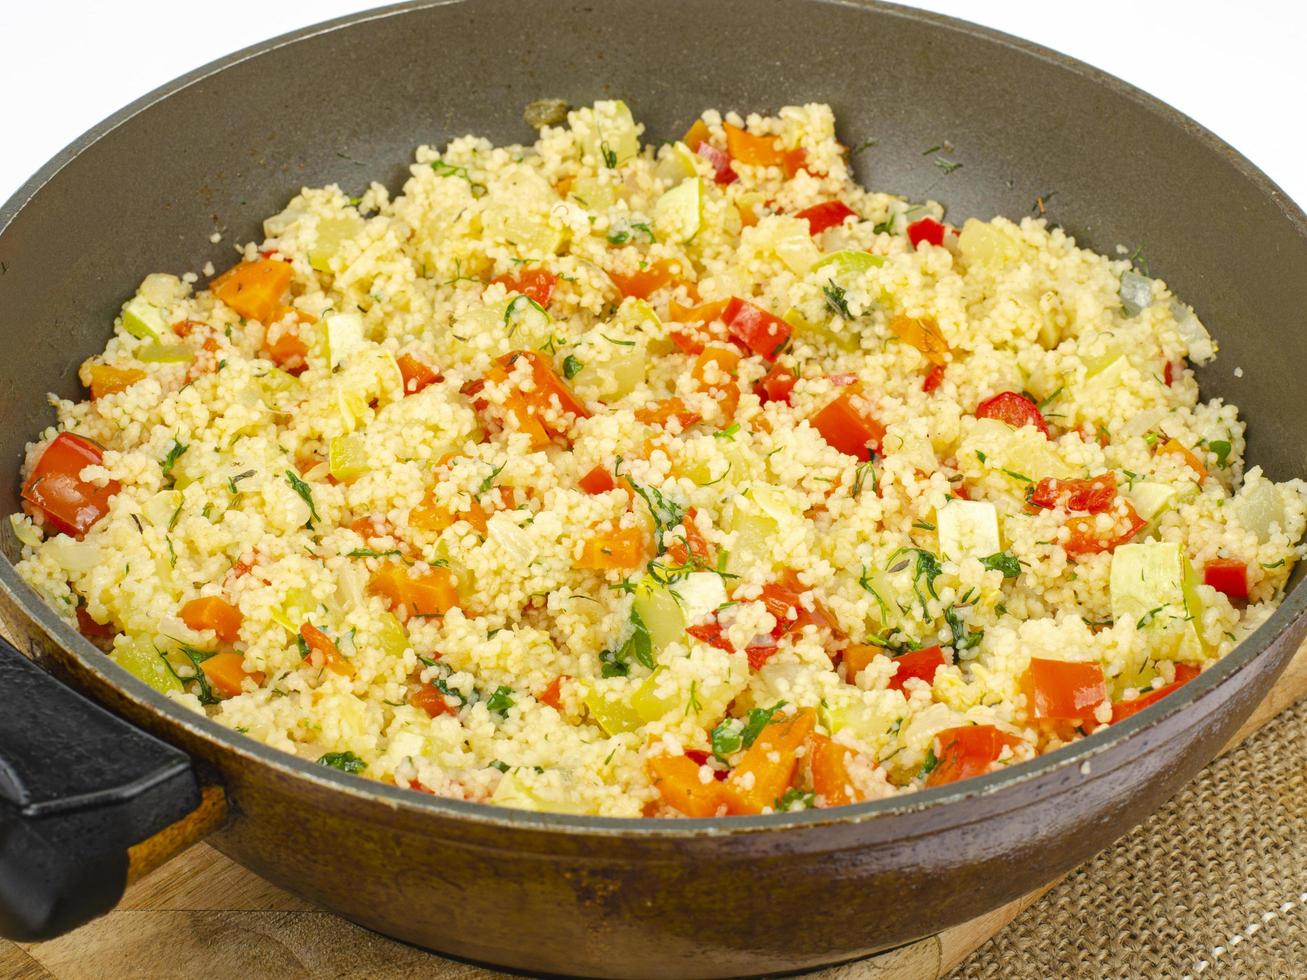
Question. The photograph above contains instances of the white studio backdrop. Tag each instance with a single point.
(1236, 68)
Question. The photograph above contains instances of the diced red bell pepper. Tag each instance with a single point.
(825, 215)
(549, 387)
(919, 664)
(1061, 690)
(415, 373)
(846, 428)
(1227, 575)
(1168, 374)
(1094, 495)
(721, 163)
(926, 230)
(711, 633)
(934, 379)
(552, 695)
(760, 651)
(757, 330)
(695, 545)
(1085, 538)
(966, 752)
(1184, 673)
(1014, 409)
(598, 480)
(534, 283)
(776, 385)
(69, 503)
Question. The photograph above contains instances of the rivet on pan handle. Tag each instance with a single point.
(87, 803)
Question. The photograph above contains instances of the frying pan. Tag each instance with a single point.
(86, 777)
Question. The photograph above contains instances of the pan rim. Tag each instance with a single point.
(1081, 753)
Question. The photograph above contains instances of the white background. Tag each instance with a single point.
(1237, 68)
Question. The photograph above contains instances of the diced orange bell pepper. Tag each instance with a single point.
(1062, 690)
(429, 593)
(323, 651)
(715, 366)
(597, 481)
(828, 762)
(676, 778)
(1086, 539)
(644, 282)
(226, 672)
(696, 134)
(553, 694)
(109, 380)
(548, 395)
(694, 545)
(415, 373)
(430, 699)
(924, 334)
(215, 613)
(919, 664)
(856, 658)
(1178, 448)
(767, 769)
(762, 151)
(256, 290)
(288, 351)
(618, 547)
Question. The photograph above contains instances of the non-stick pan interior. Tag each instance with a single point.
(349, 105)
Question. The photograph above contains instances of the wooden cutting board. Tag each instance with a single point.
(201, 915)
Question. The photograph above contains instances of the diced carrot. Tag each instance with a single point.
(617, 547)
(644, 282)
(433, 517)
(429, 593)
(677, 780)
(767, 768)
(828, 762)
(215, 613)
(662, 412)
(552, 695)
(924, 334)
(1178, 448)
(416, 374)
(323, 651)
(597, 481)
(256, 290)
(109, 380)
(226, 672)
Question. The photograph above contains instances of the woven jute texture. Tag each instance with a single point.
(1212, 885)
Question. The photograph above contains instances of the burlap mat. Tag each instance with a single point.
(1212, 885)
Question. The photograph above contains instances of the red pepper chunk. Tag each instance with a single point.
(415, 373)
(1085, 538)
(597, 481)
(536, 284)
(776, 385)
(1060, 690)
(69, 503)
(926, 230)
(755, 329)
(934, 379)
(827, 214)
(721, 163)
(1184, 673)
(847, 428)
(1227, 575)
(1093, 495)
(967, 751)
(918, 664)
(1014, 409)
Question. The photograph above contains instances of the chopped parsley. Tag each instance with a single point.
(306, 494)
(1221, 448)
(197, 657)
(1003, 561)
(344, 761)
(796, 799)
(727, 433)
(617, 663)
(370, 553)
(571, 366)
(962, 638)
(666, 514)
(501, 700)
(231, 483)
(835, 300)
(177, 451)
(733, 734)
(931, 762)
(860, 477)
(488, 482)
(444, 169)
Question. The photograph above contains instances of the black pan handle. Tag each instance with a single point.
(78, 788)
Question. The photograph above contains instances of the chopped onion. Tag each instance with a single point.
(1136, 292)
(24, 530)
(72, 555)
(1202, 348)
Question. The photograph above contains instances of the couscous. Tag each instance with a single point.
(677, 479)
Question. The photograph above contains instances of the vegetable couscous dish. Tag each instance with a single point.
(678, 479)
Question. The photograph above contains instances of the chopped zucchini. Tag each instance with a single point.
(968, 527)
(984, 243)
(347, 457)
(678, 214)
(849, 262)
(331, 233)
(139, 658)
(342, 334)
(607, 132)
(1153, 584)
(144, 320)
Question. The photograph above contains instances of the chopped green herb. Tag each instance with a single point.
(733, 734)
(444, 169)
(860, 477)
(620, 343)
(231, 483)
(885, 227)
(931, 762)
(835, 300)
(796, 799)
(1274, 564)
(923, 525)
(1003, 561)
(866, 144)
(501, 700)
(666, 514)
(344, 761)
(175, 453)
(948, 166)
(488, 482)
(619, 237)
(609, 155)
(306, 494)
(197, 657)
(1049, 400)
(1222, 450)
(370, 553)
(571, 366)
(501, 766)
(727, 433)
(962, 639)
